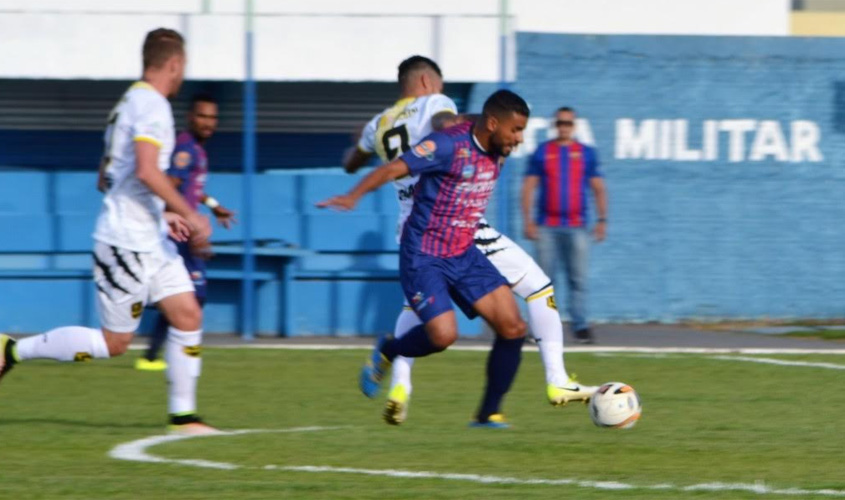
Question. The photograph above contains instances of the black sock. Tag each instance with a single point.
(502, 365)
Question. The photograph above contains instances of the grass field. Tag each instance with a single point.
(730, 423)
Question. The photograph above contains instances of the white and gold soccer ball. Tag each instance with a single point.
(615, 405)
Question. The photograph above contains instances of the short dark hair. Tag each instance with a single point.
(504, 102)
(415, 63)
(202, 97)
(565, 109)
(160, 45)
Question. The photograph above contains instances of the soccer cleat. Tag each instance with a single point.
(570, 391)
(190, 425)
(7, 356)
(584, 336)
(145, 365)
(494, 421)
(396, 408)
(373, 371)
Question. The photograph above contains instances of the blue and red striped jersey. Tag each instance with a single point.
(457, 178)
(190, 164)
(564, 173)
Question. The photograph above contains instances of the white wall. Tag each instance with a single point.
(335, 39)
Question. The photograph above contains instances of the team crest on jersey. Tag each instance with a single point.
(182, 159)
(574, 154)
(136, 309)
(196, 275)
(464, 153)
(425, 149)
(468, 171)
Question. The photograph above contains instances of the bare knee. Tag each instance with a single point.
(443, 339)
(513, 329)
(188, 318)
(117, 343)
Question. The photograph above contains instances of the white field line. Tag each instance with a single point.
(781, 362)
(575, 349)
(137, 451)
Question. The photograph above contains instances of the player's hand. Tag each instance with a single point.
(178, 228)
(342, 202)
(201, 249)
(225, 217)
(531, 231)
(200, 227)
(600, 231)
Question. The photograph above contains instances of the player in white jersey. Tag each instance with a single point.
(134, 263)
(420, 110)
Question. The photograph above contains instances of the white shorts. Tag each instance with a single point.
(519, 269)
(127, 281)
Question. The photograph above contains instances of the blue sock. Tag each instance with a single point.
(414, 344)
(502, 365)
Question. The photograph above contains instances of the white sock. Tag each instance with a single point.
(66, 343)
(548, 330)
(182, 353)
(401, 371)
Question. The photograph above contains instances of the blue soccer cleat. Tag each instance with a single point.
(373, 371)
(494, 421)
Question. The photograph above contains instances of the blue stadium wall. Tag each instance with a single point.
(723, 158)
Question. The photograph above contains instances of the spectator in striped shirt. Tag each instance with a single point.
(563, 169)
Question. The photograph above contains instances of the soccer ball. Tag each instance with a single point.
(615, 405)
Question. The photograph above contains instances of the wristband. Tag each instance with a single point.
(211, 202)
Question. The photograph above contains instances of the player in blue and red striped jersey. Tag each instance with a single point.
(563, 169)
(188, 172)
(439, 261)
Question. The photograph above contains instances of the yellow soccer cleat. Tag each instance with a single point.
(145, 365)
(494, 421)
(571, 391)
(396, 408)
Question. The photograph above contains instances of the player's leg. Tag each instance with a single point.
(121, 288)
(576, 250)
(499, 309)
(425, 286)
(529, 281)
(398, 397)
(172, 291)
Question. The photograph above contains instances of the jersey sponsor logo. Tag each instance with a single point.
(476, 187)
(137, 309)
(468, 171)
(425, 149)
(486, 176)
(182, 159)
(407, 193)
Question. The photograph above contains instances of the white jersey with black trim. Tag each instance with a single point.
(393, 132)
(131, 216)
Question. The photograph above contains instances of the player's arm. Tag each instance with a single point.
(374, 180)
(599, 189)
(225, 217)
(529, 187)
(365, 141)
(446, 119)
(355, 158)
(147, 171)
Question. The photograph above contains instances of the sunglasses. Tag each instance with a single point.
(564, 123)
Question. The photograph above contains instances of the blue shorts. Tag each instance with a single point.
(196, 269)
(430, 282)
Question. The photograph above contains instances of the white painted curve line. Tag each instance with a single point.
(136, 451)
(758, 488)
(781, 362)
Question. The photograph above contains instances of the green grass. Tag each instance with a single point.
(704, 420)
(832, 334)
